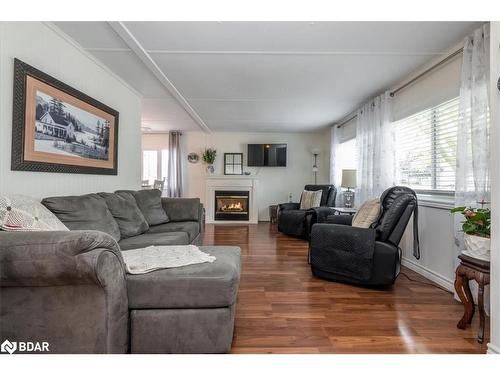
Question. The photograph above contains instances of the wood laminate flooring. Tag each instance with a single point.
(282, 308)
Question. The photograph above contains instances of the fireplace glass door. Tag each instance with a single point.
(231, 205)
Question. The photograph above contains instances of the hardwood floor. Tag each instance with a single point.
(282, 308)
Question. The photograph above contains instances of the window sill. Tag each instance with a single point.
(444, 202)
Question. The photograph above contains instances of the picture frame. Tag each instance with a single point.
(59, 129)
(233, 163)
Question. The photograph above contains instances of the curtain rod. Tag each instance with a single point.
(346, 121)
(425, 72)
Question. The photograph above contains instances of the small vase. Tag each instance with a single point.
(477, 247)
(210, 169)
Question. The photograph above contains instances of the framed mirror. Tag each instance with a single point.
(233, 163)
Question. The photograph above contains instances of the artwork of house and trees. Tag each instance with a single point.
(64, 129)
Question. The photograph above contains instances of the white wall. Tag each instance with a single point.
(437, 245)
(494, 346)
(44, 47)
(155, 141)
(274, 183)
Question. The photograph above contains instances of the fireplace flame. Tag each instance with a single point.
(232, 207)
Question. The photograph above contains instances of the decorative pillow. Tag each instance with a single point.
(84, 212)
(310, 199)
(124, 209)
(368, 214)
(149, 202)
(21, 213)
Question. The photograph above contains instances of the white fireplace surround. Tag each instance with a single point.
(243, 183)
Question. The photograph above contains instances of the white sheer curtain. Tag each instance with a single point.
(375, 139)
(174, 180)
(472, 181)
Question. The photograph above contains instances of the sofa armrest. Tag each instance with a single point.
(320, 214)
(183, 209)
(288, 206)
(59, 258)
(339, 219)
(327, 236)
(69, 285)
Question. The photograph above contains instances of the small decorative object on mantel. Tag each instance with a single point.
(476, 228)
(57, 128)
(193, 157)
(209, 158)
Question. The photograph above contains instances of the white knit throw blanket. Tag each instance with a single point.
(153, 258)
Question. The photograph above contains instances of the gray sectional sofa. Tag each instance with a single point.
(70, 288)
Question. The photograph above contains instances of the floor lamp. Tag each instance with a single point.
(315, 152)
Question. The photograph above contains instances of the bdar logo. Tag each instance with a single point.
(9, 347)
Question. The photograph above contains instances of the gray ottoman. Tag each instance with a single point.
(187, 309)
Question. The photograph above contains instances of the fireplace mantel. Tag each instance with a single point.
(239, 183)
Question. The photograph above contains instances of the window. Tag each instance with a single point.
(426, 148)
(150, 166)
(346, 157)
(154, 165)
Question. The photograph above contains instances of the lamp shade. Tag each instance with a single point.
(348, 178)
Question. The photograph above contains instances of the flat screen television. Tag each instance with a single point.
(267, 155)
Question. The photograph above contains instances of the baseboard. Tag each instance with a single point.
(492, 349)
(429, 274)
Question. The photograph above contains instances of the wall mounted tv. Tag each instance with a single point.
(267, 155)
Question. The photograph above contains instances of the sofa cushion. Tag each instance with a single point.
(22, 213)
(150, 239)
(310, 199)
(368, 214)
(84, 212)
(127, 214)
(192, 228)
(205, 285)
(149, 202)
(182, 209)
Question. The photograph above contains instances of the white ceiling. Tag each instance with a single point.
(261, 76)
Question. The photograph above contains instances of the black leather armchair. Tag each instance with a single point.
(296, 222)
(365, 256)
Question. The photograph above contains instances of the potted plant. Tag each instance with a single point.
(476, 228)
(209, 158)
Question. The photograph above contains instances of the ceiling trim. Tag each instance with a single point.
(90, 56)
(107, 49)
(313, 53)
(143, 55)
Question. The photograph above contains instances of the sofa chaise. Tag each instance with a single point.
(70, 288)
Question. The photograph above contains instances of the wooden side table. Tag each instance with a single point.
(472, 269)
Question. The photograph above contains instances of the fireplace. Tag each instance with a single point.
(231, 205)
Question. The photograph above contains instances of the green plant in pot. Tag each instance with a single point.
(476, 228)
(209, 158)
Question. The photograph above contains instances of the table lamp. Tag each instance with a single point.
(348, 182)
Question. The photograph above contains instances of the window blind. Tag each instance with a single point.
(426, 148)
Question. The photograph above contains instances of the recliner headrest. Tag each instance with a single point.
(392, 213)
(392, 193)
(326, 191)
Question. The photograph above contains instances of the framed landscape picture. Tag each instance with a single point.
(57, 128)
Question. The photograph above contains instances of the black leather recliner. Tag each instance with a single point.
(296, 222)
(365, 256)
